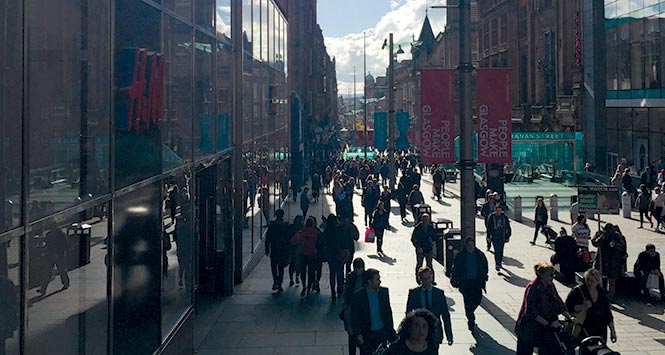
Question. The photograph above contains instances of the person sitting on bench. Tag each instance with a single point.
(649, 262)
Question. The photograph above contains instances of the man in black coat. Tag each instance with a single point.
(278, 248)
(469, 275)
(371, 315)
(423, 239)
(647, 262)
(433, 299)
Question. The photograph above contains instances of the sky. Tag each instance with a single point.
(344, 21)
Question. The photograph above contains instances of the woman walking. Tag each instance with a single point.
(380, 223)
(307, 239)
(538, 317)
(294, 256)
(540, 218)
(643, 202)
(589, 301)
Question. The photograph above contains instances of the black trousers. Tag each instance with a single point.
(277, 265)
(472, 294)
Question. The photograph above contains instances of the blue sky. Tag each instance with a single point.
(340, 17)
(343, 23)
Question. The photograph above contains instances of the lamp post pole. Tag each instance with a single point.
(364, 95)
(466, 163)
(391, 113)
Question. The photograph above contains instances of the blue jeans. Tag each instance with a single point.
(498, 242)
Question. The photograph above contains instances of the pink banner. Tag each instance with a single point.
(494, 116)
(437, 116)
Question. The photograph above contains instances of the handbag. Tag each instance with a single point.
(370, 235)
(652, 281)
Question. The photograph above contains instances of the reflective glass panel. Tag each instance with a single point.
(137, 244)
(10, 273)
(177, 249)
(139, 72)
(67, 292)
(11, 87)
(204, 14)
(177, 124)
(203, 95)
(69, 93)
(223, 25)
(182, 8)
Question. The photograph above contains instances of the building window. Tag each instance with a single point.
(521, 23)
(495, 33)
(504, 28)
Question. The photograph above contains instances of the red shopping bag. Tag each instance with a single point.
(370, 235)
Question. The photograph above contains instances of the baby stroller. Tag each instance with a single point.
(568, 336)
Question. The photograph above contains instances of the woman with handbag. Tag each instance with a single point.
(590, 305)
(538, 317)
(379, 223)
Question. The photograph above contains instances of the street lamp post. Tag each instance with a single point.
(391, 112)
(466, 162)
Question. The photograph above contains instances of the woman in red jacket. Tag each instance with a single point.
(310, 261)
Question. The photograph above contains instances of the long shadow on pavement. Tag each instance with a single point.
(641, 314)
(383, 258)
(513, 279)
(513, 262)
(485, 344)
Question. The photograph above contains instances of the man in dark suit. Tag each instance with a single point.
(469, 274)
(371, 315)
(433, 299)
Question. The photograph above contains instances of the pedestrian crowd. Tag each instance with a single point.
(305, 245)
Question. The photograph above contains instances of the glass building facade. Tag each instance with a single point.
(635, 49)
(116, 147)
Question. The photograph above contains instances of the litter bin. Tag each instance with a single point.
(79, 243)
(452, 243)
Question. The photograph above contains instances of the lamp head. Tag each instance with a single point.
(399, 50)
(385, 43)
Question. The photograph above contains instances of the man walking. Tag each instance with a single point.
(434, 300)
(469, 275)
(278, 248)
(304, 201)
(371, 315)
(423, 239)
(485, 211)
(498, 228)
(348, 234)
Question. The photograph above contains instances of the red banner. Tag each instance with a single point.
(437, 116)
(494, 116)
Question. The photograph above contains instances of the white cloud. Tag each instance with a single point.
(405, 21)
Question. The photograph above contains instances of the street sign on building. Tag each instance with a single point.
(598, 199)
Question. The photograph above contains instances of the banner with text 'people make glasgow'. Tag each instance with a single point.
(437, 116)
(494, 116)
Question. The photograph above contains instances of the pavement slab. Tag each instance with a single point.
(255, 320)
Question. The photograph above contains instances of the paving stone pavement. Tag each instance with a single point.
(256, 321)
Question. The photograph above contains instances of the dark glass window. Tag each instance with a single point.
(11, 87)
(640, 119)
(177, 249)
(10, 274)
(67, 293)
(177, 124)
(223, 25)
(137, 244)
(612, 118)
(247, 41)
(204, 95)
(69, 93)
(139, 72)
(182, 8)
(204, 14)
(224, 86)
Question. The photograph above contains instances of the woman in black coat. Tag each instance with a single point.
(380, 223)
(540, 218)
(590, 298)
